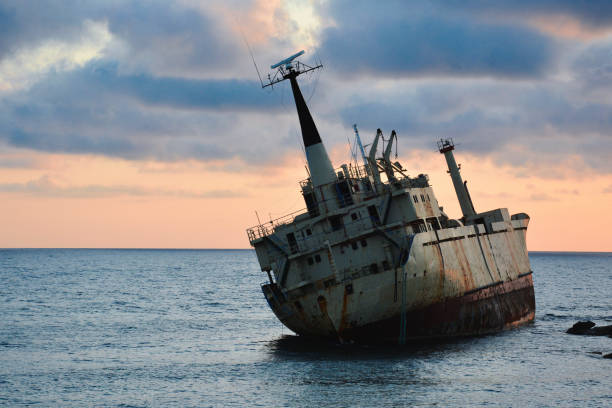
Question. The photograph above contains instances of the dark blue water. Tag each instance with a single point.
(191, 328)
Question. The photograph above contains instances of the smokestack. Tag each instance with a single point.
(321, 169)
(446, 147)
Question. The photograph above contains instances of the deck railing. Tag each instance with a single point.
(267, 228)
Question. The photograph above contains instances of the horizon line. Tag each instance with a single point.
(236, 249)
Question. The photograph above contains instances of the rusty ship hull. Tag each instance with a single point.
(485, 311)
(457, 283)
(373, 256)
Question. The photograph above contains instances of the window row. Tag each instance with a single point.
(424, 198)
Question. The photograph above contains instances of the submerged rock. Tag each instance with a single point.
(588, 328)
(601, 331)
(609, 355)
(580, 327)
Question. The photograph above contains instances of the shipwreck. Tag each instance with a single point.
(374, 258)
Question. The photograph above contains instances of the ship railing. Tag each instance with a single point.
(267, 228)
(355, 173)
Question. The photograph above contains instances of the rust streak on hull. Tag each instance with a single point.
(490, 309)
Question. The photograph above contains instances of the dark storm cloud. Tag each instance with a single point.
(423, 39)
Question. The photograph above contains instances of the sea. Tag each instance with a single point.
(191, 328)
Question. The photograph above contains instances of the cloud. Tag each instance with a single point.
(164, 85)
(104, 78)
(518, 124)
(164, 36)
(405, 40)
(95, 109)
(17, 162)
(593, 12)
(47, 187)
(541, 197)
(592, 67)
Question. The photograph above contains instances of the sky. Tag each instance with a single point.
(142, 124)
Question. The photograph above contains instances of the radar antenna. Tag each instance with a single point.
(288, 67)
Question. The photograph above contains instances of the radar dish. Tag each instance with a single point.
(287, 61)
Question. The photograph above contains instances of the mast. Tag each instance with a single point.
(319, 165)
(446, 147)
(358, 139)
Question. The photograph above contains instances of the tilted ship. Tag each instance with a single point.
(374, 258)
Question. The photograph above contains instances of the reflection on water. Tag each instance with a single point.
(293, 346)
(191, 328)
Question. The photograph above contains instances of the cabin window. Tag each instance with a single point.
(349, 288)
(343, 192)
(374, 268)
(310, 261)
(318, 258)
(428, 197)
(336, 222)
(354, 245)
(418, 226)
(308, 231)
(414, 197)
(373, 213)
(364, 243)
(293, 246)
(354, 216)
(386, 265)
(422, 198)
(434, 223)
(311, 204)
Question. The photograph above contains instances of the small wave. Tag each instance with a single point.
(552, 316)
(10, 345)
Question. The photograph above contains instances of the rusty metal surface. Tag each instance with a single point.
(487, 310)
(456, 287)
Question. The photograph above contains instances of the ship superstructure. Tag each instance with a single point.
(375, 258)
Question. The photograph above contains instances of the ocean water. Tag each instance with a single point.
(140, 328)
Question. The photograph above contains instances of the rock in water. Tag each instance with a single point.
(609, 355)
(588, 328)
(601, 331)
(581, 328)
